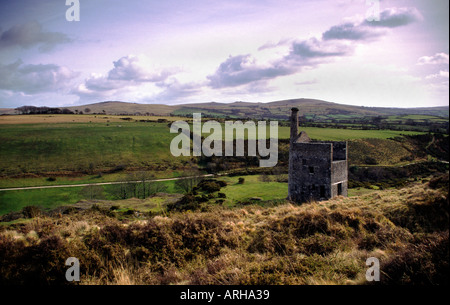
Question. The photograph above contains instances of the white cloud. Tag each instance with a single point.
(436, 59)
(138, 69)
(130, 74)
(440, 75)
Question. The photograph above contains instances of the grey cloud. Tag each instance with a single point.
(396, 17)
(368, 30)
(351, 31)
(102, 84)
(34, 78)
(315, 48)
(31, 34)
(271, 45)
(174, 91)
(241, 69)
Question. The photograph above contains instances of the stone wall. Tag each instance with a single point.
(317, 170)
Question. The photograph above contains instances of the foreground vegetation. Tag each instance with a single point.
(315, 243)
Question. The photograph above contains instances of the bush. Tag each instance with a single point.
(211, 185)
(370, 161)
(31, 211)
(241, 180)
(187, 202)
(222, 195)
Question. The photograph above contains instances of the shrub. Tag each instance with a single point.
(241, 180)
(209, 186)
(31, 211)
(370, 161)
(187, 202)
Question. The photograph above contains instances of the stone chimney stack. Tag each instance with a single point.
(294, 124)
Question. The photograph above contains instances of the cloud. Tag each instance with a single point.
(436, 59)
(31, 34)
(137, 68)
(98, 82)
(243, 69)
(129, 72)
(173, 91)
(338, 41)
(440, 75)
(396, 17)
(28, 79)
(368, 30)
(270, 45)
(315, 48)
(351, 31)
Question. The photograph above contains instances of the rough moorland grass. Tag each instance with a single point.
(316, 243)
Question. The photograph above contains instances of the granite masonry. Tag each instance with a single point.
(317, 170)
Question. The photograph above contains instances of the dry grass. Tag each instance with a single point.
(316, 243)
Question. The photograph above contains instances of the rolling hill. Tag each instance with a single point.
(239, 109)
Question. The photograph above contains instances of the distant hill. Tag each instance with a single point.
(271, 110)
(115, 107)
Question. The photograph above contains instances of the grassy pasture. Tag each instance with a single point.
(321, 134)
(416, 117)
(80, 145)
(28, 148)
(11, 201)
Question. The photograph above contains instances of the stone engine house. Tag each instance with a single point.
(317, 170)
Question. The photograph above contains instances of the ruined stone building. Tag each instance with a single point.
(317, 170)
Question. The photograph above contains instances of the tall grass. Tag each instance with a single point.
(315, 243)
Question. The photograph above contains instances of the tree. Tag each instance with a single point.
(139, 185)
(189, 180)
(92, 192)
(87, 110)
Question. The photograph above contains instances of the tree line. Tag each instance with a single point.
(42, 110)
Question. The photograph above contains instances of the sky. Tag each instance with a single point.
(387, 53)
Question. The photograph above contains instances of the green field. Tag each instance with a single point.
(416, 117)
(93, 147)
(333, 134)
(89, 152)
(11, 201)
(252, 190)
(35, 148)
(50, 198)
(322, 134)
